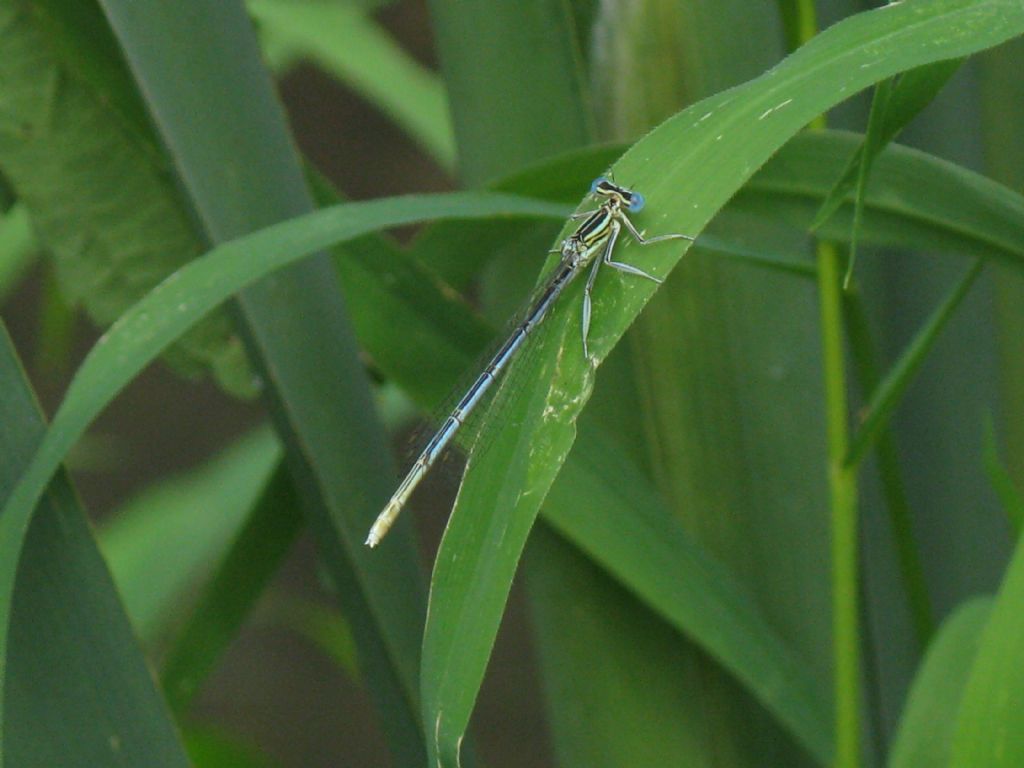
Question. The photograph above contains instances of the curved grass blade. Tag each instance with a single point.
(865, 359)
(180, 301)
(688, 168)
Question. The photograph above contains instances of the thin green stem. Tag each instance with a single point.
(800, 23)
(842, 480)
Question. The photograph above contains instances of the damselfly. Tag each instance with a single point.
(597, 234)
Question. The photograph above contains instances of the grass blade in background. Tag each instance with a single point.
(865, 357)
(214, 748)
(694, 346)
(494, 48)
(605, 506)
(167, 538)
(96, 188)
(891, 389)
(688, 168)
(202, 73)
(955, 211)
(343, 40)
(612, 670)
(252, 561)
(67, 629)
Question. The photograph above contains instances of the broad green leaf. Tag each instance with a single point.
(989, 729)
(67, 629)
(87, 169)
(166, 539)
(343, 40)
(926, 728)
(688, 168)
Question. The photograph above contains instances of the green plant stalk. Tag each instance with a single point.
(842, 483)
(842, 479)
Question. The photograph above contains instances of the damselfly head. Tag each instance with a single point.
(633, 201)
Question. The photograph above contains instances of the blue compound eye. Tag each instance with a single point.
(596, 183)
(636, 202)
